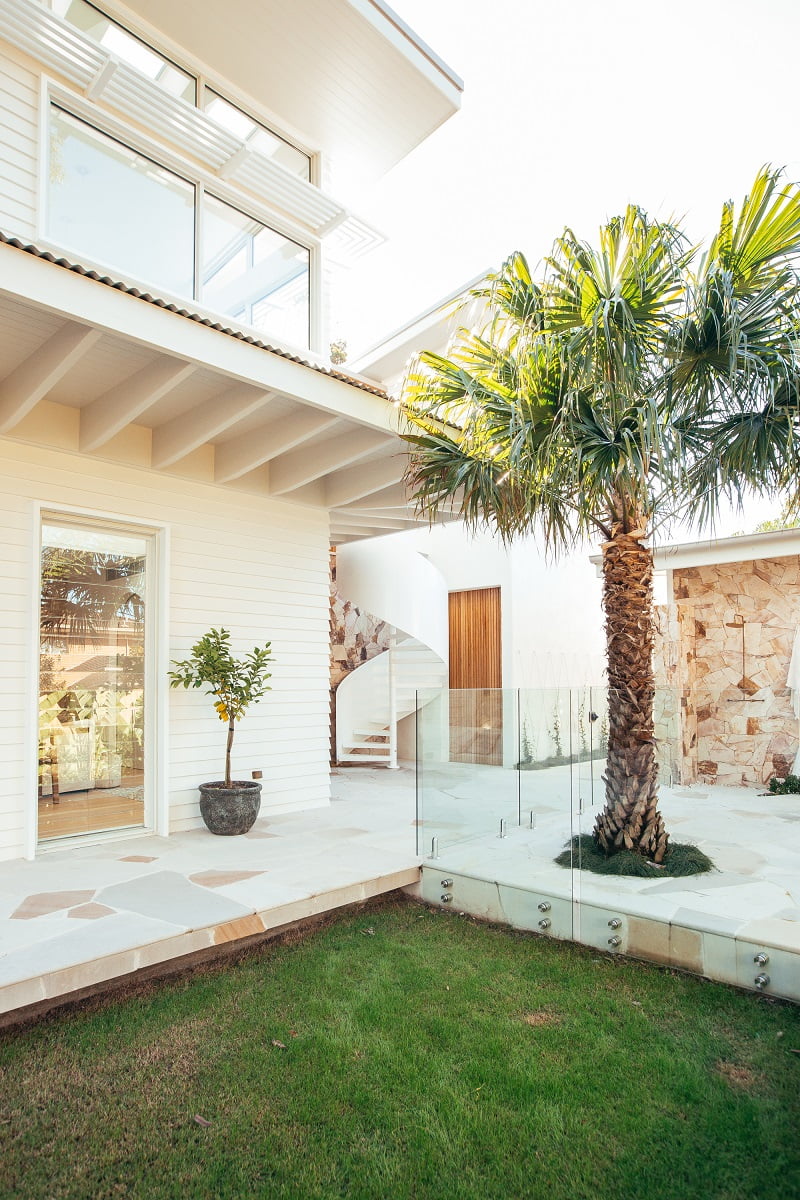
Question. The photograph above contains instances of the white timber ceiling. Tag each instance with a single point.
(347, 77)
(88, 369)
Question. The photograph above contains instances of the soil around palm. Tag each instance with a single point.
(582, 853)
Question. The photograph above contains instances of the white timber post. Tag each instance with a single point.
(392, 764)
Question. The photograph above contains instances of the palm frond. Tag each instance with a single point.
(625, 386)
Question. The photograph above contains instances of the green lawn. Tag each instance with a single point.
(400, 1052)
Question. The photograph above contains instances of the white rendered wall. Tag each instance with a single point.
(552, 620)
(257, 566)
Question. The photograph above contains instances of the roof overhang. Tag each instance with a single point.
(91, 367)
(386, 361)
(347, 77)
(742, 548)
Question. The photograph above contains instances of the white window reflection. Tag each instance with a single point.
(250, 269)
(131, 50)
(91, 762)
(118, 208)
(257, 136)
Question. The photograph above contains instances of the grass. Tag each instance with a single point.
(407, 1053)
(681, 858)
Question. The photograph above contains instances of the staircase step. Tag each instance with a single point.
(364, 758)
(382, 732)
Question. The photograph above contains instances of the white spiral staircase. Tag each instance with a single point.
(399, 586)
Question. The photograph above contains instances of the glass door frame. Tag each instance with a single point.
(156, 537)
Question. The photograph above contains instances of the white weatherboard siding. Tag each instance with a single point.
(257, 566)
(19, 116)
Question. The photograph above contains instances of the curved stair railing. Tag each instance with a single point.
(401, 587)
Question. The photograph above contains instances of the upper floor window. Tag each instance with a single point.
(122, 210)
(253, 273)
(118, 207)
(257, 136)
(129, 49)
(173, 79)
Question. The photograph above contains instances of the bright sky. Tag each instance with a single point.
(571, 110)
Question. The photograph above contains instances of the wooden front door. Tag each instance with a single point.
(476, 677)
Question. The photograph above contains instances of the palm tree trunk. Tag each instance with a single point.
(630, 819)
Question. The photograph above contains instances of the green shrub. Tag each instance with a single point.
(785, 787)
(582, 854)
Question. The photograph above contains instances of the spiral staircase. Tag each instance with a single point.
(399, 586)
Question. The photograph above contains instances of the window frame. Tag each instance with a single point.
(145, 42)
(55, 94)
(156, 722)
(204, 83)
(207, 193)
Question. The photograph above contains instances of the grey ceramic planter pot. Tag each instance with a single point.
(230, 810)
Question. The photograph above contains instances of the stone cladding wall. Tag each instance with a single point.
(356, 637)
(718, 720)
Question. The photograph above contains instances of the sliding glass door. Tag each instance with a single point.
(93, 664)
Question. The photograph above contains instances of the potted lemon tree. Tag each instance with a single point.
(228, 806)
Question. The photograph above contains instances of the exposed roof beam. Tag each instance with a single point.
(340, 532)
(178, 437)
(110, 413)
(302, 466)
(368, 513)
(249, 451)
(394, 496)
(355, 531)
(341, 520)
(344, 487)
(31, 381)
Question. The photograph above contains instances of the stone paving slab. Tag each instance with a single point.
(138, 902)
(88, 914)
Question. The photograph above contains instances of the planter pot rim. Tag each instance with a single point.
(237, 785)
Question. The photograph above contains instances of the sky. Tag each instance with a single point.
(571, 110)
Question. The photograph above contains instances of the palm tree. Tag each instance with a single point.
(637, 381)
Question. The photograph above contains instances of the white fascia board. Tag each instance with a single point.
(78, 298)
(743, 547)
(428, 330)
(394, 29)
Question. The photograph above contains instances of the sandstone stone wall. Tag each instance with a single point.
(356, 636)
(735, 720)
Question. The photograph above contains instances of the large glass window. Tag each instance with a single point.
(257, 136)
(254, 274)
(91, 680)
(136, 53)
(129, 49)
(119, 208)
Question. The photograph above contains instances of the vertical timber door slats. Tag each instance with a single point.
(476, 701)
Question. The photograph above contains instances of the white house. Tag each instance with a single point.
(549, 613)
(176, 453)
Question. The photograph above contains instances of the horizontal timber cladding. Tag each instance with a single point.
(257, 567)
(476, 701)
(19, 134)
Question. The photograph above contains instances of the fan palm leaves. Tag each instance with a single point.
(637, 380)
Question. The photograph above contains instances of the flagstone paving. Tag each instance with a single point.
(78, 916)
(82, 915)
